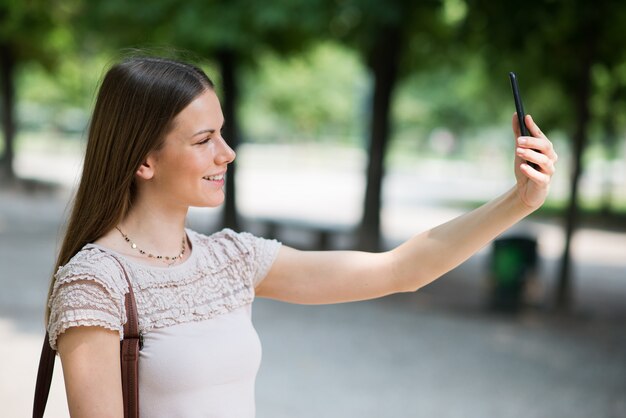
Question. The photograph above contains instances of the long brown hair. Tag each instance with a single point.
(135, 108)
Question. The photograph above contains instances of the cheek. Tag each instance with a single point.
(204, 157)
(197, 161)
(191, 161)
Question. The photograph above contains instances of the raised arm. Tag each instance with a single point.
(92, 372)
(317, 277)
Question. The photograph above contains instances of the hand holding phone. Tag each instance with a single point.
(519, 108)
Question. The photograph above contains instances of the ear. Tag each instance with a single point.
(146, 169)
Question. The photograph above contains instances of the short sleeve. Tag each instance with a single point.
(263, 253)
(87, 292)
(250, 256)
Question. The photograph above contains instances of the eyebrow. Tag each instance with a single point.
(207, 131)
(204, 131)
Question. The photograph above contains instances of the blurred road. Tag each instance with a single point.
(435, 353)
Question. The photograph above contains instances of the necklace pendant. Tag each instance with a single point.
(169, 260)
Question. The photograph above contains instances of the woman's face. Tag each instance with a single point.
(189, 169)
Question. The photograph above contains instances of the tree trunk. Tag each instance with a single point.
(610, 150)
(7, 91)
(383, 61)
(563, 294)
(228, 68)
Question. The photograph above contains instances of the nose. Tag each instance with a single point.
(225, 154)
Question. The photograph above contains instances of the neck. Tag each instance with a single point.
(155, 227)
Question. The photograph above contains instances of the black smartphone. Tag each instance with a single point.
(519, 108)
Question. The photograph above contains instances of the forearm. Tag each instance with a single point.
(429, 255)
(330, 277)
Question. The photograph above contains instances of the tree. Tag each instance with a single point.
(609, 108)
(393, 38)
(29, 31)
(561, 43)
(232, 32)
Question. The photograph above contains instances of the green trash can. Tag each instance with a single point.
(512, 262)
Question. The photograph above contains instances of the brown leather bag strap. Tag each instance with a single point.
(129, 357)
(44, 378)
(129, 353)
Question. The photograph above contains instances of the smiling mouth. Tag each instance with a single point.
(216, 177)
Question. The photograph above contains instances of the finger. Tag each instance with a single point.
(515, 125)
(533, 128)
(545, 163)
(540, 144)
(537, 177)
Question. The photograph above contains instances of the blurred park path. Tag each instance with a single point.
(435, 353)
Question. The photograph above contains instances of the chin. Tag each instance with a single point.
(210, 203)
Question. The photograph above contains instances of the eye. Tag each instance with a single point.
(204, 141)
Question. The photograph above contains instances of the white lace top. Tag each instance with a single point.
(201, 353)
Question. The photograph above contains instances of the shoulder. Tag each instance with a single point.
(94, 264)
(249, 253)
(230, 244)
(88, 291)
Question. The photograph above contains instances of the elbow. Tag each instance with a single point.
(414, 280)
(410, 271)
(404, 280)
(409, 288)
(408, 284)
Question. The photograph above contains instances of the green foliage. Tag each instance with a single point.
(205, 27)
(36, 30)
(609, 101)
(313, 95)
(453, 79)
(546, 42)
(426, 27)
(59, 101)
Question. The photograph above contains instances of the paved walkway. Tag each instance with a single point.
(435, 353)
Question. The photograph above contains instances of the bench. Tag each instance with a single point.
(307, 233)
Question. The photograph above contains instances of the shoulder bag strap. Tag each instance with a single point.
(129, 357)
(129, 353)
(44, 378)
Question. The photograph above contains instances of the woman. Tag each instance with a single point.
(155, 148)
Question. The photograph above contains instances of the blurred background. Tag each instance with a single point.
(357, 124)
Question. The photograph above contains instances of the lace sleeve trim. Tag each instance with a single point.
(92, 264)
(263, 254)
(254, 253)
(65, 325)
(88, 291)
(83, 303)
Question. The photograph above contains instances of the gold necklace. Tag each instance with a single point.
(169, 260)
